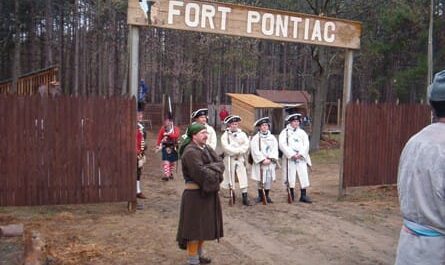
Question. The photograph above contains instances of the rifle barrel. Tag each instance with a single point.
(231, 193)
(263, 198)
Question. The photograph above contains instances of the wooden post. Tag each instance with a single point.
(347, 82)
(191, 108)
(338, 112)
(134, 61)
(430, 48)
(133, 81)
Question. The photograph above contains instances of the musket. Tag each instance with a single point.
(170, 105)
(231, 192)
(263, 198)
(170, 110)
(275, 161)
(289, 196)
(173, 126)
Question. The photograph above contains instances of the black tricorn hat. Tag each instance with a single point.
(261, 121)
(200, 112)
(232, 118)
(292, 117)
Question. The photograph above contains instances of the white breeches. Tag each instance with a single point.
(296, 169)
(238, 170)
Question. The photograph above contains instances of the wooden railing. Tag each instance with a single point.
(28, 84)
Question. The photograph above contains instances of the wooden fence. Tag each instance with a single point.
(375, 135)
(28, 84)
(66, 150)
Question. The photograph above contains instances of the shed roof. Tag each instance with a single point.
(285, 96)
(255, 101)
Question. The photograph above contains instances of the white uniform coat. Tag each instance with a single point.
(269, 149)
(421, 186)
(235, 145)
(211, 140)
(293, 141)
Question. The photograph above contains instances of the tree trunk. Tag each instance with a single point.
(49, 33)
(284, 83)
(62, 47)
(16, 61)
(32, 63)
(321, 76)
(76, 48)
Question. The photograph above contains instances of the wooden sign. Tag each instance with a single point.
(245, 21)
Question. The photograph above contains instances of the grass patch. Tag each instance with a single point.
(326, 156)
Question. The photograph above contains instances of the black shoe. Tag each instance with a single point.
(246, 201)
(204, 260)
(164, 178)
(304, 198)
(268, 199)
(259, 199)
(292, 194)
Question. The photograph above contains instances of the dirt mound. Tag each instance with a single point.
(328, 143)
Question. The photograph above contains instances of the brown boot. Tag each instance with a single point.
(204, 260)
(140, 196)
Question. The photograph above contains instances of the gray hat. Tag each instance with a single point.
(437, 88)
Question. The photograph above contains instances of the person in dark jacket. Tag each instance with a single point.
(200, 213)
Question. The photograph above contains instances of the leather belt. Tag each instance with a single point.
(191, 186)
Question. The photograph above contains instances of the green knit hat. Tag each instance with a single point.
(191, 130)
(437, 89)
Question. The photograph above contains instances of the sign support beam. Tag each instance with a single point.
(347, 87)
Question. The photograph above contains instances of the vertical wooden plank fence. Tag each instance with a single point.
(375, 135)
(66, 150)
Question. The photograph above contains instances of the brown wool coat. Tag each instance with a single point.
(200, 213)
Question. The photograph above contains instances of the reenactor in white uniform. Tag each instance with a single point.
(200, 116)
(235, 145)
(264, 151)
(294, 143)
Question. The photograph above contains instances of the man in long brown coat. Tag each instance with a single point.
(200, 215)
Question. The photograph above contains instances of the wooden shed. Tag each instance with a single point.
(296, 99)
(251, 107)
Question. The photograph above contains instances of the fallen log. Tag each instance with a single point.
(11, 230)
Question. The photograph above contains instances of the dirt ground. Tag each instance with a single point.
(360, 228)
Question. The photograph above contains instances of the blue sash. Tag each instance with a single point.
(420, 230)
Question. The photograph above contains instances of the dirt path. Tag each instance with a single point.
(361, 229)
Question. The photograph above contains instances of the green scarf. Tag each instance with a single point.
(191, 130)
